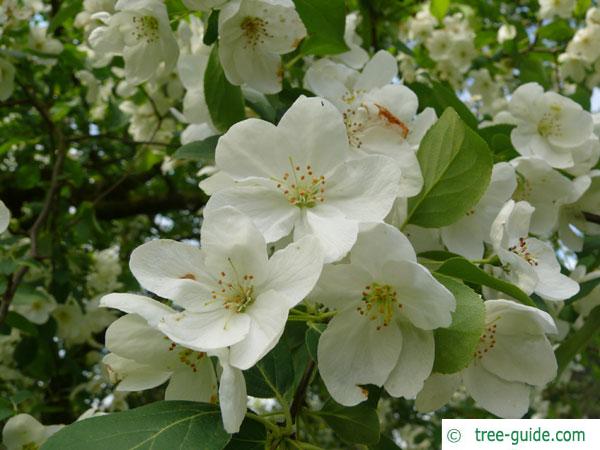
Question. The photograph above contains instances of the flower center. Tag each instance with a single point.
(302, 188)
(236, 292)
(379, 303)
(146, 28)
(487, 341)
(521, 250)
(255, 31)
(550, 124)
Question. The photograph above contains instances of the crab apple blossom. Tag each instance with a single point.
(139, 31)
(526, 261)
(233, 295)
(512, 357)
(548, 125)
(141, 357)
(380, 118)
(387, 306)
(543, 188)
(300, 177)
(252, 36)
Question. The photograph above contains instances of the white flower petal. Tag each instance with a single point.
(414, 364)
(271, 213)
(208, 330)
(437, 391)
(506, 399)
(527, 359)
(378, 72)
(294, 270)
(151, 310)
(352, 352)
(425, 302)
(131, 337)
(232, 398)
(232, 242)
(173, 270)
(199, 386)
(379, 243)
(336, 234)
(269, 313)
(364, 189)
(340, 285)
(134, 376)
(315, 135)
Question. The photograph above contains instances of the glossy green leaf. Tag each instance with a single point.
(457, 165)
(200, 151)
(273, 374)
(354, 424)
(212, 28)
(325, 22)
(161, 425)
(455, 345)
(224, 100)
(465, 270)
(439, 8)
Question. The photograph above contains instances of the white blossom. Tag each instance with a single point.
(252, 36)
(549, 126)
(299, 176)
(387, 306)
(140, 32)
(527, 262)
(513, 356)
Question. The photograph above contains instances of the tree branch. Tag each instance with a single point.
(300, 393)
(58, 141)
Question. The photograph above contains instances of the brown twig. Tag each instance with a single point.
(592, 217)
(300, 393)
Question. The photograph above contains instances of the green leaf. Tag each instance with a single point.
(457, 166)
(312, 338)
(252, 436)
(19, 322)
(575, 343)
(532, 69)
(455, 345)
(385, 443)
(439, 8)
(325, 22)
(559, 30)
(161, 425)
(200, 151)
(465, 270)
(355, 424)
(581, 7)
(498, 139)
(67, 9)
(6, 409)
(212, 28)
(224, 100)
(440, 97)
(272, 375)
